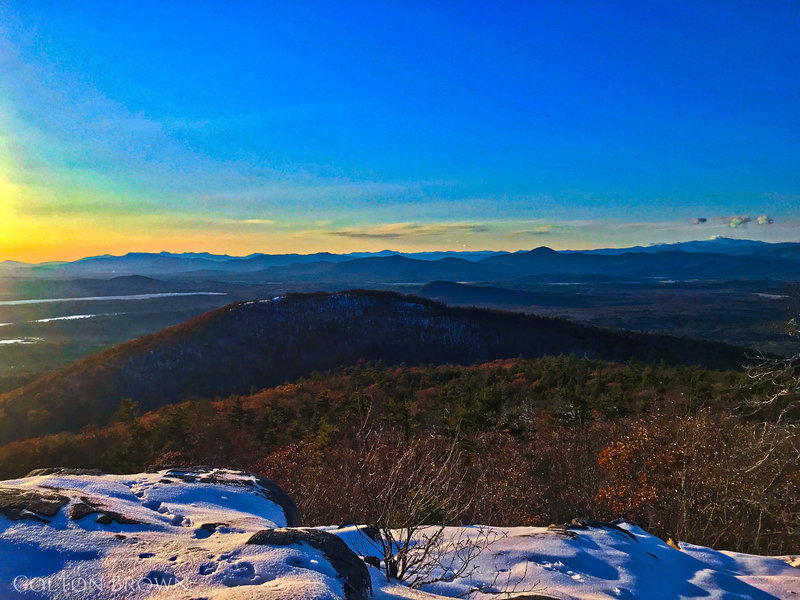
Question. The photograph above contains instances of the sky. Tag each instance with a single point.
(239, 127)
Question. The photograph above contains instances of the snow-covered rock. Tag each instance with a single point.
(222, 534)
(594, 560)
(171, 534)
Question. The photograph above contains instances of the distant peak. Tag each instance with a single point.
(543, 250)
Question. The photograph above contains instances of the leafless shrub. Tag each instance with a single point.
(412, 484)
(417, 487)
(706, 479)
(775, 383)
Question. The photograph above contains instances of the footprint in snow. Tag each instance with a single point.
(241, 573)
(228, 556)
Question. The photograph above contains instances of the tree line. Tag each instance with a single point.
(685, 452)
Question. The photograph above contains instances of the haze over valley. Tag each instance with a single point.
(736, 292)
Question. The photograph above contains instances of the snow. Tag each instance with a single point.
(189, 541)
(601, 562)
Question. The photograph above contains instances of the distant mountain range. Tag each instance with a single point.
(718, 245)
(166, 262)
(720, 258)
(256, 344)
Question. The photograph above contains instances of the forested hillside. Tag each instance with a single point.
(255, 344)
(539, 441)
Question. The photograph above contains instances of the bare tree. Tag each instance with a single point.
(776, 382)
(412, 484)
(416, 487)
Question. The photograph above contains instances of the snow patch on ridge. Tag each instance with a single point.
(183, 533)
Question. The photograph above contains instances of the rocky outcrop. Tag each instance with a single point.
(35, 504)
(274, 492)
(85, 507)
(212, 533)
(350, 568)
(63, 471)
(261, 485)
(585, 524)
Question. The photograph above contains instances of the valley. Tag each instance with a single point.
(90, 306)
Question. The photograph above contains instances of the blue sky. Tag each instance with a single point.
(262, 126)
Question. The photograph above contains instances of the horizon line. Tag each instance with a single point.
(383, 251)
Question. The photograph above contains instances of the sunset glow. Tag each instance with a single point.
(299, 129)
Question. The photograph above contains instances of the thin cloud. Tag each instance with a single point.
(256, 221)
(395, 231)
(92, 155)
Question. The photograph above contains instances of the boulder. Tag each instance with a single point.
(350, 568)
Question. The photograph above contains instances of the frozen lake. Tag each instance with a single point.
(108, 298)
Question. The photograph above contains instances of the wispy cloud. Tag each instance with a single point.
(517, 234)
(81, 152)
(398, 231)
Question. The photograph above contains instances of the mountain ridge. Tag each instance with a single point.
(713, 253)
(260, 343)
